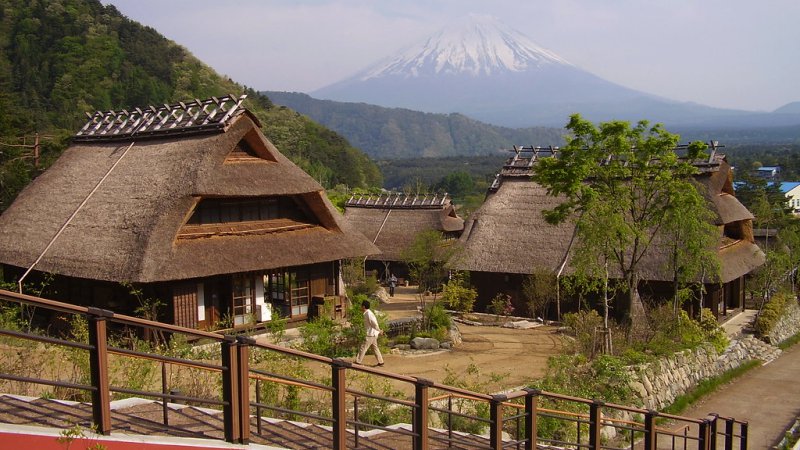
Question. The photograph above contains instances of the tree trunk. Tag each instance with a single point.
(637, 318)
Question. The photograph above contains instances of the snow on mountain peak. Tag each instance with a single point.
(476, 45)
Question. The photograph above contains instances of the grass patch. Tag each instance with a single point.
(708, 386)
(789, 342)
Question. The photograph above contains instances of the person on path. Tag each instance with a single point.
(392, 284)
(373, 331)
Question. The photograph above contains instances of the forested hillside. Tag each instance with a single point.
(62, 58)
(392, 133)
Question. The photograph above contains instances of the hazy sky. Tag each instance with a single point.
(726, 53)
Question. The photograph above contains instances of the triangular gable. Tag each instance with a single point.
(250, 148)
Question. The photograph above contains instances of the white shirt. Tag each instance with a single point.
(371, 323)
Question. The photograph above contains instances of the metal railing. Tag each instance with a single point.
(518, 419)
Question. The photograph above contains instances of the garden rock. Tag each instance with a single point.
(446, 345)
(521, 325)
(420, 343)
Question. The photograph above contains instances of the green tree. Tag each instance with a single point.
(618, 184)
(693, 240)
(427, 258)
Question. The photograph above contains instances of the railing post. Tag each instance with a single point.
(339, 397)
(712, 431)
(531, 421)
(230, 390)
(729, 423)
(98, 369)
(743, 433)
(243, 373)
(650, 433)
(421, 417)
(702, 435)
(496, 421)
(595, 424)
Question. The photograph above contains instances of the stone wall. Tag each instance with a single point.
(659, 383)
(787, 325)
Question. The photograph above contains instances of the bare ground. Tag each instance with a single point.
(518, 355)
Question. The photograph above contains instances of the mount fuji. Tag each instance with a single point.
(492, 73)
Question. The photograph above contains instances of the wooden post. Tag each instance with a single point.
(230, 390)
(36, 151)
(338, 370)
(98, 368)
(595, 424)
(243, 364)
(743, 433)
(712, 431)
(496, 421)
(531, 421)
(702, 436)
(421, 413)
(650, 434)
(729, 434)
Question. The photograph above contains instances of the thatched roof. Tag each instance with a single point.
(392, 221)
(128, 228)
(508, 234)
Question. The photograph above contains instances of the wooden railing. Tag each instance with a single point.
(521, 414)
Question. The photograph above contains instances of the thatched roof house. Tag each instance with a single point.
(191, 192)
(392, 221)
(508, 237)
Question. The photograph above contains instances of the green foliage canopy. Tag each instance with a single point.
(622, 186)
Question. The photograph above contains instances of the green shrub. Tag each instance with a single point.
(323, 336)
(770, 313)
(501, 305)
(471, 379)
(583, 324)
(712, 332)
(458, 295)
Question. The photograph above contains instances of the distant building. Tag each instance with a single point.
(507, 238)
(791, 189)
(392, 221)
(193, 204)
(769, 172)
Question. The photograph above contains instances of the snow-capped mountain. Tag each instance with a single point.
(488, 71)
(477, 46)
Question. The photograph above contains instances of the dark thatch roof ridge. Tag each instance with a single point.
(127, 230)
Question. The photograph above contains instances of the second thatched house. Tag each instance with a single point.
(392, 222)
(508, 239)
(191, 204)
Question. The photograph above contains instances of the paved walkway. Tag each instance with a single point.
(768, 397)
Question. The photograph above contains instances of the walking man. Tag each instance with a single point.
(392, 284)
(373, 331)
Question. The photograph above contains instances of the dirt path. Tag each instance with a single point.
(518, 355)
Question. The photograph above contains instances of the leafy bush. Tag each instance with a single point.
(604, 378)
(472, 379)
(539, 290)
(435, 317)
(584, 324)
(375, 411)
(771, 313)
(458, 295)
(324, 336)
(501, 305)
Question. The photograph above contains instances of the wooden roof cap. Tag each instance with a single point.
(398, 200)
(196, 116)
